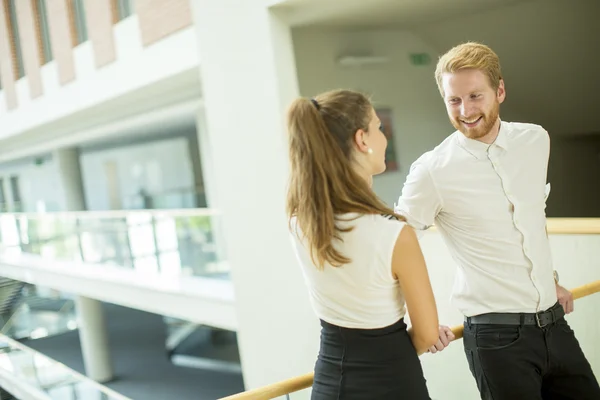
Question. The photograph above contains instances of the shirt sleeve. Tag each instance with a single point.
(420, 201)
(546, 141)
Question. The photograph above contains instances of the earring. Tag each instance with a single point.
(370, 151)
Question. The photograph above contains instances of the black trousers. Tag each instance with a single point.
(368, 364)
(529, 363)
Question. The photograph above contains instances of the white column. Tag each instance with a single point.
(69, 172)
(249, 78)
(94, 339)
(90, 315)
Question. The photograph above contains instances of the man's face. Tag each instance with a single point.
(473, 105)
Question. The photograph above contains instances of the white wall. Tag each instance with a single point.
(40, 186)
(203, 301)
(158, 167)
(420, 120)
(576, 259)
(447, 373)
(247, 86)
(420, 123)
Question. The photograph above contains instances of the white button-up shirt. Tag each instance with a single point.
(488, 202)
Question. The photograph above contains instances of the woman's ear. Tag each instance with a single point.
(359, 139)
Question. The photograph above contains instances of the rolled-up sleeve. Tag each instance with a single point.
(420, 201)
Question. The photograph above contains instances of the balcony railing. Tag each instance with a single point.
(557, 227)
(30, 375)
(305, 381)
(168, 242)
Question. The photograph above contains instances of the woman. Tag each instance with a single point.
(361, 262)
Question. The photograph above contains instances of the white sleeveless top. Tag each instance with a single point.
(362, 294)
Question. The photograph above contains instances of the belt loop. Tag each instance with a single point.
(522, 319)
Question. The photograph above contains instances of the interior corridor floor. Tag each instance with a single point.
(142, 369)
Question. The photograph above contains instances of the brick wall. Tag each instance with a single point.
(160, 18)
(30, 46)
(99, 16)
(7, 70)
(61, 39)
(157, 20)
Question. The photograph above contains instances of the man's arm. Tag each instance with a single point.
(565, 297)
(420, 201)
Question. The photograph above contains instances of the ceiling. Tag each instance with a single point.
(168, 105)
(550, 55)
(549, 49)
(380, 13)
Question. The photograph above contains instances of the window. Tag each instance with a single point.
(16, 193)
(13, 31)
(78, 23)
(43, 31)
(123, 9)
(2, 197)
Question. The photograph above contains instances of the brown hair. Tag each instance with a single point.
(323, 182)
(470, 55)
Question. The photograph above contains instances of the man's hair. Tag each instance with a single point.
(470, 55)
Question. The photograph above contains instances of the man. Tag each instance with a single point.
(485, 189)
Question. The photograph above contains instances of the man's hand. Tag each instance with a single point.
(565, 298)
(446, 336)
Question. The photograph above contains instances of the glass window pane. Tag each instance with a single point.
(146, 265)
(44, 30)
(80, 21)
(14, 27)
(2, 198)
(166, 234)
(124, 9)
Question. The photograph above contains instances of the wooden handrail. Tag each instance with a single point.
(566, 226)
(578, 292)
(573, 226)
(305, 381)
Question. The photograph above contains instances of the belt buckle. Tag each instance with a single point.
(539, 322)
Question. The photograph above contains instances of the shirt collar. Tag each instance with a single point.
(480, 149)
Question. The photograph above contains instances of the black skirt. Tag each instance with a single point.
(369, 364)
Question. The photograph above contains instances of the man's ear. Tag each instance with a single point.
(501, 92)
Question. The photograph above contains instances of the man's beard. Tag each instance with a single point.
(482, 128)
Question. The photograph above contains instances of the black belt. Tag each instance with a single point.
(540, 319)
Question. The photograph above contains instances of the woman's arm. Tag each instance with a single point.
(408, 265)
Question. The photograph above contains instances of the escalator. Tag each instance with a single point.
(11, 293)
(30, 312)
(204, 347)
(4, 395)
